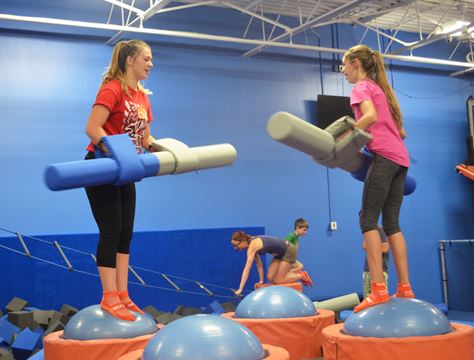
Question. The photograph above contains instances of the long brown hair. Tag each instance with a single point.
(240, 236)
(372, 63)
(117, 67)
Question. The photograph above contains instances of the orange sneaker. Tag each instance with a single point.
(305, 279)
(379, 295)
(404, 291)
(116, 309)
(129, 304)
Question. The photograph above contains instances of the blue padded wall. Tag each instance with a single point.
(204, 255)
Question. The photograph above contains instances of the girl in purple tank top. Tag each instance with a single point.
(281, 269)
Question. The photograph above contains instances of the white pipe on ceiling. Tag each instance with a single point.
(229, 39)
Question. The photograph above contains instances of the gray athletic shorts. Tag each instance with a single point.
(290, 254)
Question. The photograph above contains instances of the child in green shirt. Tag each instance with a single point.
(300, 230)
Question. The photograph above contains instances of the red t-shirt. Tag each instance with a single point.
(128, 114)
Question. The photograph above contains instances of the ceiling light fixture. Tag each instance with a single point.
(451, 26)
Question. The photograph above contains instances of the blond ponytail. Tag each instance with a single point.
(372, 63)
(117, 67)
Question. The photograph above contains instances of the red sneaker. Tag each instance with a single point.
(305, 279)
(116, 309)
(129, 304)
(379, 295)
(404, 291)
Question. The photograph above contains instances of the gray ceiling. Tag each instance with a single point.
(280, 21)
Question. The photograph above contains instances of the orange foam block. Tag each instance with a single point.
(300, 336)
(58, 348)
(456, 345)
(274, 353)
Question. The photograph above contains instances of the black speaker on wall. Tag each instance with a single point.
(330, 108)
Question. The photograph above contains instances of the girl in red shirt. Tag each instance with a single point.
(121, 107)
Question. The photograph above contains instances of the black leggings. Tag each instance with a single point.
(113, 208)
(383, 193)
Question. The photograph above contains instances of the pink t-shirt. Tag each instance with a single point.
(386, 140)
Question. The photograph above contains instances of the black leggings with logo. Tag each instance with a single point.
(113, 208)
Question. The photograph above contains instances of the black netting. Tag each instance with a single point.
(459, 259)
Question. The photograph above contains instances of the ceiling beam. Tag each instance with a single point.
(228, 39)
(425, 42)
(328, 16)
(152, 10)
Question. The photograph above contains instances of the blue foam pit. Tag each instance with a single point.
(25, 343)
(7, 330)
(38, 356)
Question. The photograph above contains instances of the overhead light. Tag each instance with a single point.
(469, 31)
(452, 26)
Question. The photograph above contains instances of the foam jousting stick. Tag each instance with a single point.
(345, 302)
(338, 145)
(123, 164)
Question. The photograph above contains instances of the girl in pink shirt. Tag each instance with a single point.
(377, 111)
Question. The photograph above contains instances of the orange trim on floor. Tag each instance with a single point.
(301, 337)
(274, 353)
(296, 285)
(457, 345)
(57, 348)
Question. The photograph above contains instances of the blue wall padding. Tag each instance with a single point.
(123, 151)
(204, 255)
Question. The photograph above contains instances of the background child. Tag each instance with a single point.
(281, 269)
(300, 229)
